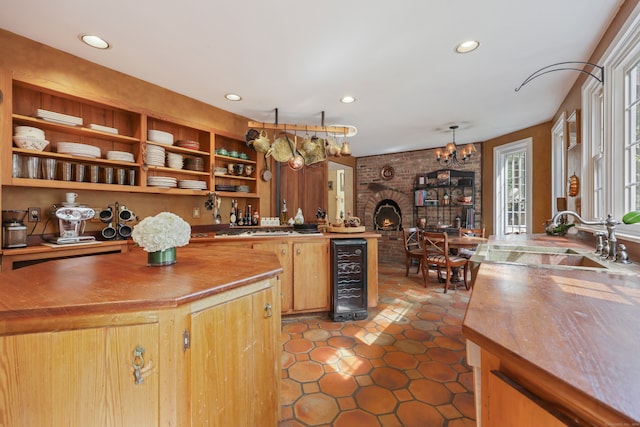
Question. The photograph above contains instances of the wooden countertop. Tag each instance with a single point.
(107, 284)
(211, 237)
(576, 327)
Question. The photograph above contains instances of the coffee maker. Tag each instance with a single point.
(71, 222)
(14, 232)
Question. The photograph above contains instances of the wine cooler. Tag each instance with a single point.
(349, 279)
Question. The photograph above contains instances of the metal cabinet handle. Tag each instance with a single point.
(284, 252)
(138, 363)
(298, 251)
(268, 310)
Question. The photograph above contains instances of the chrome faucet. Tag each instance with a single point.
(609, 223)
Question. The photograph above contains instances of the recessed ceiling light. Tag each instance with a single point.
(468, 46)
(233, 97)
(347, 99)
(94, 41)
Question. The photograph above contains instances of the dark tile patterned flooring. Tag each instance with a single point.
(405, 365)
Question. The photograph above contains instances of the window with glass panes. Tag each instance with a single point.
(632, 138)
(516, 186)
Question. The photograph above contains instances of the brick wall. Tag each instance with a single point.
(372, 188)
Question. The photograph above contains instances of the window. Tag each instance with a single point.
(611, 126)
(512, 176)
(632, 139)
(558, 177)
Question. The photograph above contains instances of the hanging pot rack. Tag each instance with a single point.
(338, 130)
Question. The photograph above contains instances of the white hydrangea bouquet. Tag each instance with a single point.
(161, 232)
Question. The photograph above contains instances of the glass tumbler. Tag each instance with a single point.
(121, 176)
(108, 175)
(94, 173)
(33, 167)
(65, 171)
(80, 172)
(49, 168)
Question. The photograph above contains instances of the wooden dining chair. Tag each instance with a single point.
(412, 247)
(436, 255)
(470, 232)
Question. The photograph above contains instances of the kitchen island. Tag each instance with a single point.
(106, 340)
(557, 346)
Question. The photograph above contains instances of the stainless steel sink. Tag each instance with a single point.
(541, 258)
(547, 257)
(535, 249)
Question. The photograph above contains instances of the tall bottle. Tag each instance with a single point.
(283, 213)
(232, 216)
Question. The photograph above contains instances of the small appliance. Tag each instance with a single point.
(14, 232)
(71, 222)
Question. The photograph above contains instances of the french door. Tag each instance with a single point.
(512, 188)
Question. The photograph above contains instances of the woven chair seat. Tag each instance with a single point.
(442, 260)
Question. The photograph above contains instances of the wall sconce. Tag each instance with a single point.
(450, 155)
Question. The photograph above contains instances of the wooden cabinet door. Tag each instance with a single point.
(311, 276)
(234, 363)
(511, 405)
(283, 252)
(305, 189)
(79, 378)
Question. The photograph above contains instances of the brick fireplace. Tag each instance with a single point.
(374, 188)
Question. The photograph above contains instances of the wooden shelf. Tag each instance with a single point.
(75, 130)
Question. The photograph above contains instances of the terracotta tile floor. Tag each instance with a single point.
(403, 366)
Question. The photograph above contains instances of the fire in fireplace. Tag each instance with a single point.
(387, 216)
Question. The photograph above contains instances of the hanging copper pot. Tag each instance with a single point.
(574, 186)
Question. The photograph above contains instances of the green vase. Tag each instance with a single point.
(160, 258)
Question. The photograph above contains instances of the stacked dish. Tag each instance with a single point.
(154, 156)
(64, 119)
(192, 184)
(174, 160)
(30, 138)
(195, 164)
(101, 128)
(224, 187)
(162, 181)
(242, 188)
(191, 145)
(80, 150)
(220, 171)
(122, 156)
(160, 137)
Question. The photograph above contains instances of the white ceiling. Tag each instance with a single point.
(301, 56)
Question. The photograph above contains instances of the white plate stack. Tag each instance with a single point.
(154, 156)
(30, 138)
(105, 129)
(80, 150)
(192, 184)
(175, 161)
(162, 181)
(64, 119)
(160, 137)
(122, 156)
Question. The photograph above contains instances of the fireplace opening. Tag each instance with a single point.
(387, 216)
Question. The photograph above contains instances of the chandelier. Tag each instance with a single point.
(450, 156)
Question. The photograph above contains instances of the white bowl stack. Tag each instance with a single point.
(80, 150)
(160, 137)
(155, 155)
(122, 156)
(175, 161)
(30, 138)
